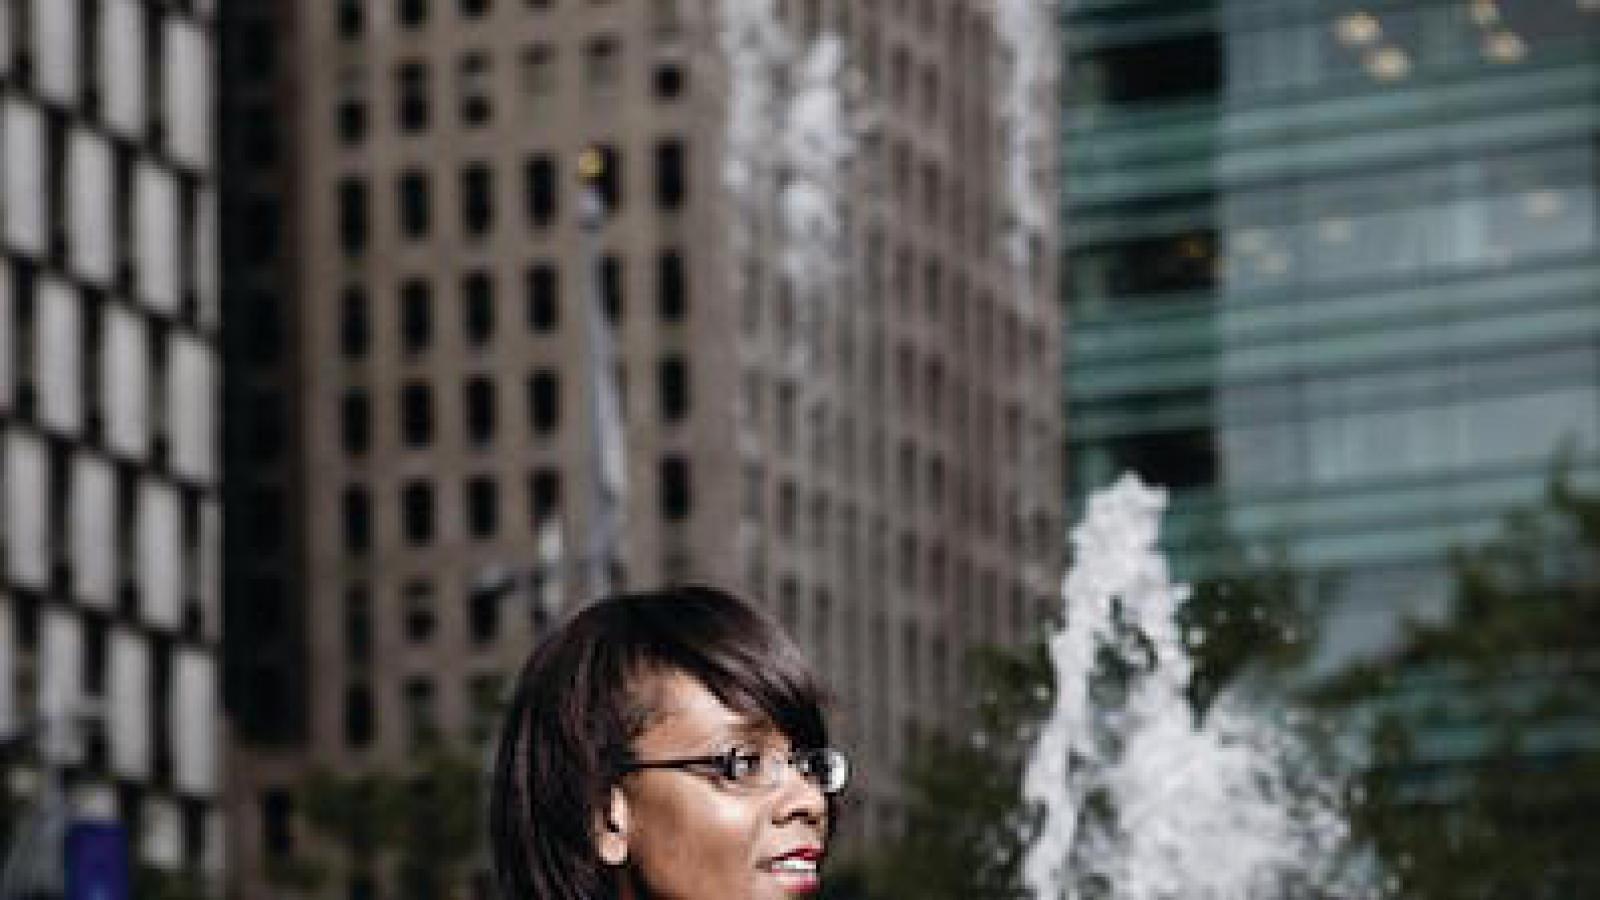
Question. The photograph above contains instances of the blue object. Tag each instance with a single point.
(97, 861)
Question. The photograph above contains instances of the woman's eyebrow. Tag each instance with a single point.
(749, 728)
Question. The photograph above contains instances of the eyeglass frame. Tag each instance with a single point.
(726, 760)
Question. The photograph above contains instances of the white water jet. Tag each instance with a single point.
(1140, 800)
(1027, 31)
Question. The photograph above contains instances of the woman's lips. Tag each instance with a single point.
(796, 870)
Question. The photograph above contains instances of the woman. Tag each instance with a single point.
(664, 745)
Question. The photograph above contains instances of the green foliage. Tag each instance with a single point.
(966, 828)
(965, 831)
(1486, 726)
(429, 819)
(1244, 618)
(150, 883)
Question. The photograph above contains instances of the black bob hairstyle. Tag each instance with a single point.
(583, 698)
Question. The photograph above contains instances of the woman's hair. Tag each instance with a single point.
(584, 697)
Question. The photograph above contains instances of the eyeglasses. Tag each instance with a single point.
(826, 768)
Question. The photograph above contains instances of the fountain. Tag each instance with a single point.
(1140, 798)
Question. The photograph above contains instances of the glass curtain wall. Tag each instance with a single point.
(1331, 270)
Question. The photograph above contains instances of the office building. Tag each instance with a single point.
(872, 452)
(1331, 277)
(109, 540)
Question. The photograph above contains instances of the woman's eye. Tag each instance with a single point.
(742, 765)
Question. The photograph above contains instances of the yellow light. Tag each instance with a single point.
(1542, 203)
(1335, 231)
(1485, 13)
(1505, 47)
(1275, 263)
(591, 164)
(1193, 248)
(1388, 64)
(1250, 240)
(1358, 29)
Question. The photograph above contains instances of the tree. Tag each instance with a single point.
(1485, 726)
(428, 820)
(966, 828)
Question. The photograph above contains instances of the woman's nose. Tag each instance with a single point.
(799, 797)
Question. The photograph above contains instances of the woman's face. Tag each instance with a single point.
(686, 835)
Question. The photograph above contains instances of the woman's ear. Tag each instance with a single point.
(611, 829)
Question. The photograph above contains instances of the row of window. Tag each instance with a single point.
(542, 286)
(479, 404)
(419, 708)
(481, 502)
(476, 195)
(419, 617)
(350, 16)
(539, 77)
(142, 71)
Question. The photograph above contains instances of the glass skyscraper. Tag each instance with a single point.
(1331, 274)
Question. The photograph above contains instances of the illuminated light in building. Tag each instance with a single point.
(1335, 231)
(1358, 29)
(1589, 5)
(1485, 12)
(1194, 248)
(1275, 263)
(1388, 64)
(1505, 47)
(1543, 203)
(1250, 240)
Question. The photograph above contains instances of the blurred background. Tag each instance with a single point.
(345, 345)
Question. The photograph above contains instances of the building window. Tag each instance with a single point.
(351, 120)
(415, 214)
(602, 60)
(355, 328)
(540, 174)
(675, 491)
(416, 315)
(477, 307)
(609, 182)
(416, 414)
(277, 819)
(422, 724)
(539, 72)
(483, 507)
(351, 114)
(674, 384)
(357, 514)
(417, 607)
(672, 298)
(670, 175)
(473, 9)
(484, 699)
(416, 513)
(544, 401)
(353, 215)
(475, 81)
(478, 396)
(544, 495)
(669, 81)
(413, 13)
(483, 614)
(611, 301)
(355, 420)
(357, 624)
(477, 199)
(544, 309)
(412, 78)
(350, 19)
